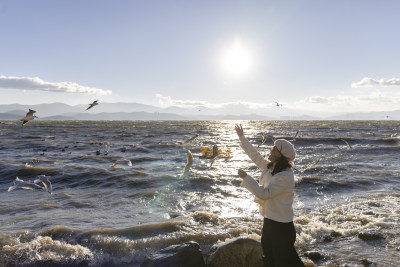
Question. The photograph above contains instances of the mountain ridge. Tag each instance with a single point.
(138, 111)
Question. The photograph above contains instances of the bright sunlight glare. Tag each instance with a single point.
(236, 59)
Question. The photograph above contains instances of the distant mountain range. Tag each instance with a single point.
(137, 111)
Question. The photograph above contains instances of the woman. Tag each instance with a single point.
(275, 195)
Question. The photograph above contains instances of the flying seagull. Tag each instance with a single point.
(18, 183)
(45, 181)
(294, 138)
(265, 138)
(190, 140)
(189, 163)
(93, 104)
(122, 162)
(28, 117)
(347, 143)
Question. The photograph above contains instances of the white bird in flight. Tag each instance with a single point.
(28, 117)
(189, 163)
(18, 183)
(45, 181)
(93, 104)
(265, 138)
(122, 162)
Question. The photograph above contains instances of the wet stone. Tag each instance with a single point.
(184, 255)
(314, 255)
(370, 236)
(241, 252)
(366, 262)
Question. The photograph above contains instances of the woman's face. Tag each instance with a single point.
(274, 155)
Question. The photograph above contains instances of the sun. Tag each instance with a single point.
(236, 59)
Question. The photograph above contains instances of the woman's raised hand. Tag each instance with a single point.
(239, 130)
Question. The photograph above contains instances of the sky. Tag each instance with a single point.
(315, 55)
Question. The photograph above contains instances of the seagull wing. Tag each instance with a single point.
(189, 163)
(346, 143)
(294, 138)
(212, 162)
(30, 112)
(190, 140)
(46, 183)
(263, 141)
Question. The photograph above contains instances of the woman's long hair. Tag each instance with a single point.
(281, 164)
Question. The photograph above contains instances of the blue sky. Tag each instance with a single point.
(310, 55)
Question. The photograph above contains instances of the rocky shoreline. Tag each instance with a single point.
(237, 252)
(240, 252)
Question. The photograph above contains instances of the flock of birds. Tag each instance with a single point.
(29, 115)
(42, 181)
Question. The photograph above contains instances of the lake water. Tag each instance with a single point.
(99, 215)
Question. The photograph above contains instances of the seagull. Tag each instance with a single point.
(265, 138)
(93, 104)
(313, 164)
(28, 117)
(346, 143)
(212, 162)
(45, 181)
(107, 148)
(123, 162)
(189, 163)
(277, 104)
(18, 183)
(294, 138)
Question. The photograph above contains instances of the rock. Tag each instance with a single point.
(333, 234)
(366, 262)
(314, 255)
(186, 254)
(241, 252)
(370, 236)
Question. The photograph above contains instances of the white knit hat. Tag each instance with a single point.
(286, 148)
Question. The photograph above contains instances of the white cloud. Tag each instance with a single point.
(369, 82)
(166, 101)
(35, 83)
(362, 102)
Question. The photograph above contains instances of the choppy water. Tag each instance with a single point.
(102, 215)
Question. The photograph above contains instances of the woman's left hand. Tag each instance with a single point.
(239, 130)
(242, 173)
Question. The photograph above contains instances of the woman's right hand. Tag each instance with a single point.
(239, 130)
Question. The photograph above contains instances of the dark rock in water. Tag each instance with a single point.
(370, 236)
(314, 255)
(333, 234)
(240, 252)
(366, 262)
(186, 254)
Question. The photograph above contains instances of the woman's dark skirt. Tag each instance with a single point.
(277, 242)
